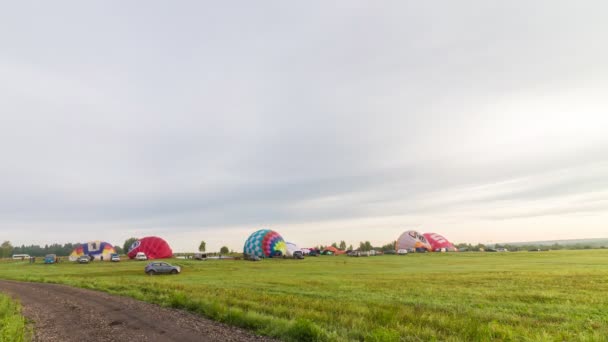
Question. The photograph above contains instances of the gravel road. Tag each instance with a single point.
(62, 313)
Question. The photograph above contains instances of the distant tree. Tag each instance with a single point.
(6, 249)
(479, 247)
(118, 249)
(342, 245)
(334, 245)
(365, 246)
(128, 243)
(224, 250)
(389, 246)
(350, 247)
(202, 247)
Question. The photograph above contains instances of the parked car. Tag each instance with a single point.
(298, 255)
(21, 256)
(402, 251)
(200, 256)
(114, 257)
(50, 259)
(141, 256)
(313, 254)
(160, 268)
(83, 259)
(253, 258)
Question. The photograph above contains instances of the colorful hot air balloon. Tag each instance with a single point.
(438, 242)
(265, 243)
(413, 241)
(153, 246)
(96, 249)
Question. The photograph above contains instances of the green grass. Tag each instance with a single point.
(12, 325)
(543, 296)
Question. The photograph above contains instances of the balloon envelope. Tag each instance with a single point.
(438, 242)
(153, 246)
(265, 243)
(412, 240)
(96, 249)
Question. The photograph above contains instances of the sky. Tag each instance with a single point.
(484, 121)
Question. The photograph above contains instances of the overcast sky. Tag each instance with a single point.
(485, 121)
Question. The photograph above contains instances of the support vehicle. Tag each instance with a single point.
(161, 268)
(50, 259)
(83, 259)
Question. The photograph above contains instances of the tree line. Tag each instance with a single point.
(7, 249)
(364, 246)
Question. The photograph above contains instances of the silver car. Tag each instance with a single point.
(161, 268)
(83, 259)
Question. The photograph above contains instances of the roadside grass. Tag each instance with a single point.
(13, 327)
(548, 296)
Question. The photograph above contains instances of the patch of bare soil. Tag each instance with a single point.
(62, 313)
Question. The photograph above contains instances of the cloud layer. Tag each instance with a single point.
(484, 122)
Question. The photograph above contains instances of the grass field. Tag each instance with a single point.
(542, 296)
(12, 325)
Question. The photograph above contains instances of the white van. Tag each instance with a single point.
(141, 256)
(402, 252)
(21, 256)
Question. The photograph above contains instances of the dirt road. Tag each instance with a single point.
(62, 313)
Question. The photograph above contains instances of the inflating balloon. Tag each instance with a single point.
(154, 248)
(412, 240)
(265, 243)
(96, 249)
(438, 242)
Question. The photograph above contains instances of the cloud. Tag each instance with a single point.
(479, 120)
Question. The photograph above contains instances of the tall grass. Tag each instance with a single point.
(553, 296)
(12, 325)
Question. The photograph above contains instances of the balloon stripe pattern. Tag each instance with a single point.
(265, 243)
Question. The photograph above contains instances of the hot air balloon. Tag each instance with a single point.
(411, 240)
(438, 242)
(265, 243)
(95, 249)
(153, 246)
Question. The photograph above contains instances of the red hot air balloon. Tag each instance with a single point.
(438, 242)
(153, 246)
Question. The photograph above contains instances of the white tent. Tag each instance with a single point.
(291, 247)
